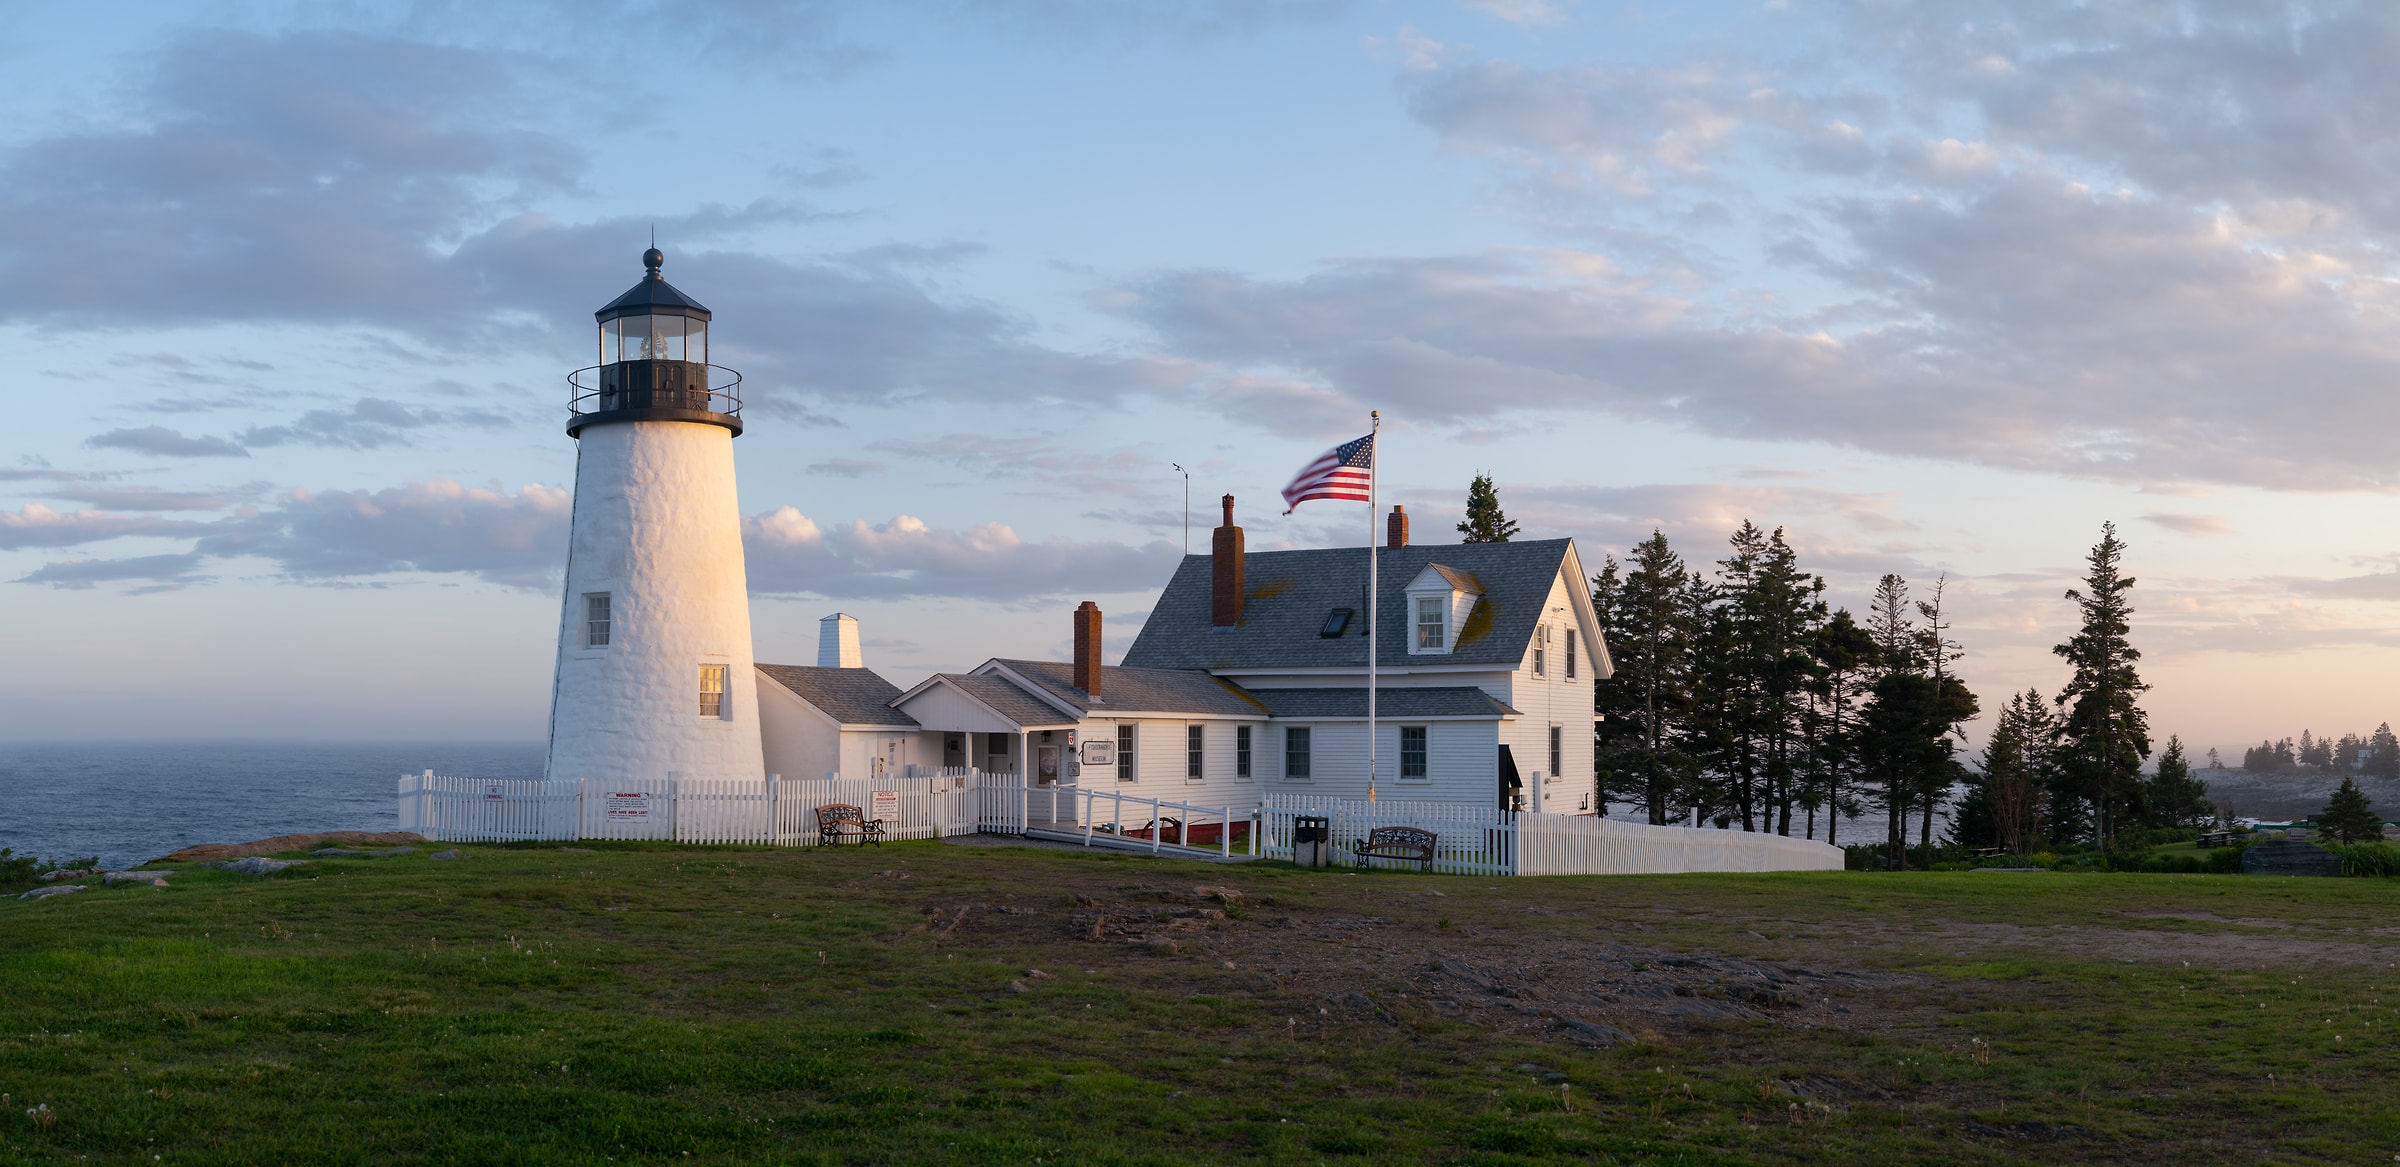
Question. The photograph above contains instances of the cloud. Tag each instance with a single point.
(518, 540)
(159, 572)
(846, 467)
(351, 180)
(1075, 470)
(2189, 524)
(151, 498)
(1524, 13)
(789, 554)
(369, 423)
(35, 525)
(158, 439)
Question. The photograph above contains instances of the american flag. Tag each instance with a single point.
(1342, 472)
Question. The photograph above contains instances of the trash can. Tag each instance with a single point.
(1312, 841)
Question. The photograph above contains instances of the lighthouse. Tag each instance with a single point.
(654, 677)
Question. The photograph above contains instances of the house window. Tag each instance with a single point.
(1191, 753)
(1241, 751)
(1295, 751)
(1336, 623)
(595, 620)
(1541, 650)
(1125, 768)
(1412, 751)
(712, 691)
(1556, 754)
(1432, 621)
(1570, 654)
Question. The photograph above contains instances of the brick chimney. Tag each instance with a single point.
(1087, 649)
(1396, 530)
(1225, 572)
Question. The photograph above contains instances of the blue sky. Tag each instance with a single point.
(1937, 287)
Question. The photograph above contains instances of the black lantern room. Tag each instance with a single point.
(654, 362)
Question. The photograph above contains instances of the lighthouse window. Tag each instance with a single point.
(712, 691)
(595, 620)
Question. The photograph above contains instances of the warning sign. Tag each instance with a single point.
(885, 805)
(628, 804)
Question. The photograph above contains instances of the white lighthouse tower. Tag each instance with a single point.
(654, 674)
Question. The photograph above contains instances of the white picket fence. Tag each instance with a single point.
(782, 812)
(1476, 840)
(773, 811)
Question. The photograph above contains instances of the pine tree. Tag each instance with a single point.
(1643, 706)
(1485, 523)
(1846, 657)
(2019, 775)
(2106, 735)
(1939, 652)
(2348, 817)
(2176, 799)
(2382, 759)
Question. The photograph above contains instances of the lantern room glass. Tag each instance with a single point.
(654, 338)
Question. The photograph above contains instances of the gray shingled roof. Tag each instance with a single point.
(1289, 593)
(849, 696)
(1140, 690)
(1008, 700)
(1390, 704)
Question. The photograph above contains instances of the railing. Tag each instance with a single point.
(1112, 813)
(658, 385)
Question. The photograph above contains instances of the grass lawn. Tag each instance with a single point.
(648, 1003)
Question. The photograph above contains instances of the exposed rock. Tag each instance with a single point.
(446, 856)
(282, 843)
(255, 865)
(1592, 1032)
(67, 873)
(2289, 857)
(355, 853)
(153, 878)
(43, 893)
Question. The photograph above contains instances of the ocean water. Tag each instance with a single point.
(130, 801)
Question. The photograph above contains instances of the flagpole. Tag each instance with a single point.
(1374, 626)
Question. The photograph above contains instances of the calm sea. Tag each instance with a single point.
(127, 802)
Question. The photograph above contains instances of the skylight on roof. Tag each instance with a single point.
(1336, 622)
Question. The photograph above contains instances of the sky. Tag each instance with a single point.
(1937, 288)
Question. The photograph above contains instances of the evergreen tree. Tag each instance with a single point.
(1939, 652)
(2348, 817)
(1643, 706)
(2176, 798)
(2315, 752)
(2346, 753)
(2019, 775)
(2106, 735)
(1844, 676)
(1485, 523)
(2382, 758)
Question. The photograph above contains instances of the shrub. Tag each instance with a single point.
(2369, 859)
(2225, 860)
(18, 871)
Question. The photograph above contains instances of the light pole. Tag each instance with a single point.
(1187, 505)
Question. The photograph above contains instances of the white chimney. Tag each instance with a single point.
(837, 643)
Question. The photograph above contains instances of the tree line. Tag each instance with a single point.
(1742, 694)
(2375, 755)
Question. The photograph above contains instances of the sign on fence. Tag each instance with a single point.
(886, 806)
(494, 792)
(625, 805)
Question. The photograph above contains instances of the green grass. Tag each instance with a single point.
(727, 1005)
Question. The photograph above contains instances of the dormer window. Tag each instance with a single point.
(1439, 601)
(1433, 623)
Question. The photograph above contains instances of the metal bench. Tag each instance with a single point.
(1397, 843)
(844, 820)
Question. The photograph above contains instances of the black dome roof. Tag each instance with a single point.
(652, 296)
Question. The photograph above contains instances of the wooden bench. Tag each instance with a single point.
(842, 819)
(2216, 839)
(1397, 843)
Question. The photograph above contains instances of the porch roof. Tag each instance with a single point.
(979, 704)
(1127, 691)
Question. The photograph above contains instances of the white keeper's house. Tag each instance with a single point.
(1250, 677)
